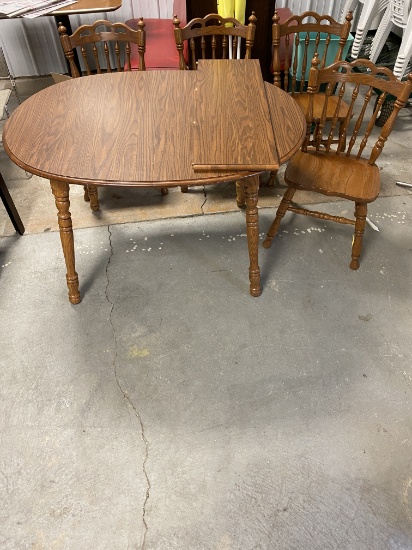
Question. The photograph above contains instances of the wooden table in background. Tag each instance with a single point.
(88, 6)
(80, 7)
(143, 129)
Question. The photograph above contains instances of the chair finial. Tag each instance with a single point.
(315, 61)
(276, 17)
(349, 16)
(252, 19)
(176, 21)
(61, 28)
(141, 24)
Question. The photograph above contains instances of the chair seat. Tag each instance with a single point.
(161, 51)
(330, 174)
(319, 100)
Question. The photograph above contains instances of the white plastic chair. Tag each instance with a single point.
(405, 51)
(4, 99)
(370, 10)
(6, 92)
(398, 13)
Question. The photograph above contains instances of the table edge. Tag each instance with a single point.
(226, 177)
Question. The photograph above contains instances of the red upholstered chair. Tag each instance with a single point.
(161, 50)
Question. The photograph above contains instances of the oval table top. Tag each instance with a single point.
(128, 128)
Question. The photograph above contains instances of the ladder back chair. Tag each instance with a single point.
(209, 37)
(348, 168)
(87, 39)
(294, 44)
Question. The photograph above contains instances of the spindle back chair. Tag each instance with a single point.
(295, 42)
(87, 37)
(303, 36)
(340, 160)
(199, 30)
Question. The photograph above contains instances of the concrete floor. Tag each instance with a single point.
(171, 410)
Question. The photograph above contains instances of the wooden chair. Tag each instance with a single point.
(202, 37)
(100, 60)
(10, 207)
(198, 30)
(294, 43)
(331, 170)
(87, 38)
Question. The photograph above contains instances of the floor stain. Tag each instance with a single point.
(135, 352)
(367, 317)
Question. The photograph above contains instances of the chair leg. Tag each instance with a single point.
(184, 188)
(86, 194)
(164, 191)
(93, 197)
(240, 194)
(282, 209)
(360, 214)
(272, 178)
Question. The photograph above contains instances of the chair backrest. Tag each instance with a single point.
(400, 10)
(354, 83)
(212, 26)
(87, 38)
(298, 39)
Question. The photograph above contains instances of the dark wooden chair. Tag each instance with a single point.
(10, 207)
(208, 38)
(346, 169)
(115, 40)
(295, 42)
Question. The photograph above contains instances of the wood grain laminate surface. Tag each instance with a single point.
(133, 129)
(123, 128)
(288, 122)
(233, 130)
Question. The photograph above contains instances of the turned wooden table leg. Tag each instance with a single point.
(252, 227)
(61, 194)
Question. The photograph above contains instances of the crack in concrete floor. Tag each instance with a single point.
(204, 202)
(126, 395)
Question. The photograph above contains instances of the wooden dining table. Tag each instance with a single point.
(157, 129)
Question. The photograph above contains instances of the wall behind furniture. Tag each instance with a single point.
(32, 47)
